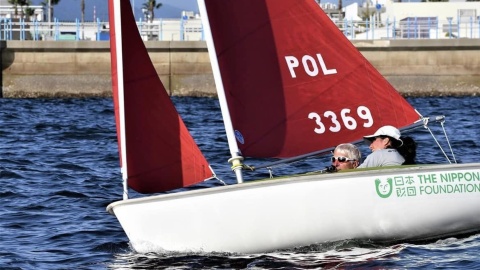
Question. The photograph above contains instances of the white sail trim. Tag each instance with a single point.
(120, 86)
(232, 143)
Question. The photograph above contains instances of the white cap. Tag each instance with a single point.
(389, 131)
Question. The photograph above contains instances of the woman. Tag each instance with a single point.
(384, 143)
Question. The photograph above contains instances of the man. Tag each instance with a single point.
(346, 156)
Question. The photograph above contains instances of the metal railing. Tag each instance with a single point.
(191, 29)
(411, 28)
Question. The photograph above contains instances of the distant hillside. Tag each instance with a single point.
(69, 10)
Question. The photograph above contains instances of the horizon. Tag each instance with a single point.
(65, 11)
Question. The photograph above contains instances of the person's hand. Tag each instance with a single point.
(330, 169)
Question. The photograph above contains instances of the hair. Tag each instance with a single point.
(408, 150)
(350, 150)
(394, 143)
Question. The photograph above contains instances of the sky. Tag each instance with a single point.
(69, 10)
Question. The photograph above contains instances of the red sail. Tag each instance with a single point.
(294, 83)
(160, 153)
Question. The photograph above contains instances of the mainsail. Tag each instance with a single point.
(157, 153)
(293, 82)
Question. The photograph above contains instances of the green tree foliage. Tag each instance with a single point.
(45, 6)
(29, 11)
(17, 3)
(53, 2)
(150, 6)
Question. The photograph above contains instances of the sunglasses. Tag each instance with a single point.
(342, 159)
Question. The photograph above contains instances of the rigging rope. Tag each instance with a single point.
(439, 146)
(214, 176)
(448, 141)
(422, 122)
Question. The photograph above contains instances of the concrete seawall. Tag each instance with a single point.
(82, 69)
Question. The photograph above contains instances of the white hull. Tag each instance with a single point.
(283, 213)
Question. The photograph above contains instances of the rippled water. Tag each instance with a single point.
(59, 170)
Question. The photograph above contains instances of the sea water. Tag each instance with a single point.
(59, 169)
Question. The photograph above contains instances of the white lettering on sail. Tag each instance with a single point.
(318, 120)
(305, 61)
(348, 121)
(364, 113)
(324, 67)
(292, 62)
(309, 65)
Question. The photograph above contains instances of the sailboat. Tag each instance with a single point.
(280, 68)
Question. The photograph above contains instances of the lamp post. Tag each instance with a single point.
(49, 11)
(145, 13)
(49, 16)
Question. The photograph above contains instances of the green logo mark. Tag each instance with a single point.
(384, 190)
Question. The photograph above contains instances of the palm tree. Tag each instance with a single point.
(82, 9)
(14, 3)
(150, 6)
(29, 12)
(340, 6)
(17, 3)
(48, 4)
(23, 3)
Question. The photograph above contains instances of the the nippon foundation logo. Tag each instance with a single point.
(384, 187)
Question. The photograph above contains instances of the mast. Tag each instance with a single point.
(120, 88)
(237, 158)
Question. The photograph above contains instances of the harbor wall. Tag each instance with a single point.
(82, 68)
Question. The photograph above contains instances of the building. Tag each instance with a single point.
(391, 19)
(8, 11)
